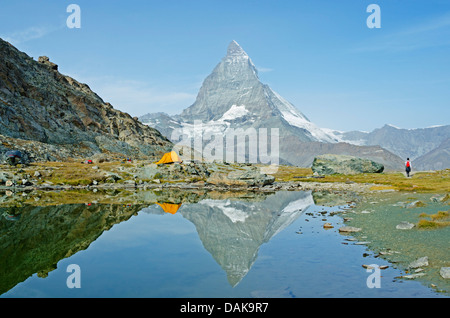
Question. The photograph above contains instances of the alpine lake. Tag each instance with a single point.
(197, 243)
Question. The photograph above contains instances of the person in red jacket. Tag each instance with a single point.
(408, 167)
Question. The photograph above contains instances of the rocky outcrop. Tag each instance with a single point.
(51, 116)
(240, 175)
(340, 164)
(191, 171)
(250, 177)
(46, 61)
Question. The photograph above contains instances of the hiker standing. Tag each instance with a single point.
(408, 167)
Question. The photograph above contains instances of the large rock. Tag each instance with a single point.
(342, 164)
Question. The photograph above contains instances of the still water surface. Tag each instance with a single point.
(269, 246)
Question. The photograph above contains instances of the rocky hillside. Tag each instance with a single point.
(51, 116)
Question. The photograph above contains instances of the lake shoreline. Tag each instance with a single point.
(276, 186)
(56, 176)
(352, 194)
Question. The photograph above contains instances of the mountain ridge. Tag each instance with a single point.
(51, 116)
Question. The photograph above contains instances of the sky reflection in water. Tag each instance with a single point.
(271, 246)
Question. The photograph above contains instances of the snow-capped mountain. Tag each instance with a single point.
(232, 97)
(233, 94)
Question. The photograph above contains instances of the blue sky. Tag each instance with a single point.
(150, 56)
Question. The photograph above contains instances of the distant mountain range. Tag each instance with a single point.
(429, 148)
(233, 97)
(51, 116)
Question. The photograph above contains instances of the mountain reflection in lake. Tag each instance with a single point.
(232, 231)
(189, 245)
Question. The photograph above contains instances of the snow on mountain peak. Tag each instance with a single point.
(234, 49)
(234, 112)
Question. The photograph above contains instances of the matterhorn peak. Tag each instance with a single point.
(234, 49)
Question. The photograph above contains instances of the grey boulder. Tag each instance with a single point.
(342, 164)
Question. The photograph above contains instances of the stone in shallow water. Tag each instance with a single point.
(412, 276)
(349, 229)
(445, 272)
(423, 261)
(404, 226)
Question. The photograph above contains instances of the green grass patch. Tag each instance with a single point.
(438, 220)
(427, 224)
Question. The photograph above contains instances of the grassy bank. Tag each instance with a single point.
(76, 173)
(427, 181)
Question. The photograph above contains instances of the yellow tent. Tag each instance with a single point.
(171, 208)
(170, 157)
